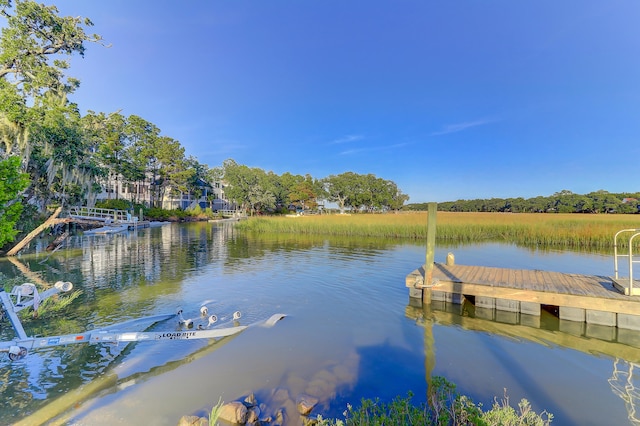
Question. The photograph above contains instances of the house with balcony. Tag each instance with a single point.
(143, 192)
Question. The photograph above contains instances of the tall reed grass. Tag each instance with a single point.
(589, 231)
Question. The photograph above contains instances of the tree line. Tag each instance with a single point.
(51, 154)
(255, 190)
(561, 202)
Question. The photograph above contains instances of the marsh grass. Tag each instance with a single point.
(588, 231)
(215, 413)
(445, 406)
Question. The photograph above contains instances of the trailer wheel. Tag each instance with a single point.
(21, 353)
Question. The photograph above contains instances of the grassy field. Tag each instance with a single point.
(590, 231)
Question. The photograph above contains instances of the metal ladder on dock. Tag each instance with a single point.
(625, 285)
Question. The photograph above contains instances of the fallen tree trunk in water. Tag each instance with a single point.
(33, 277)
(59, 240)
(52, 220)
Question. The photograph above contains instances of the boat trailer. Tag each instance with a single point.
(26, 295)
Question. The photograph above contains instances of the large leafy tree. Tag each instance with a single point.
(304, 193)
(363, 192)
(239, 181)
(106, 136)
(37, 122)
(260, 199)
(33, 47)
(60, 163)
(150, 153)
(172, 167)
(342, 189)
(196, 178)
(396, 198)
(132, 151)
(32, 44)
(142, 139)
(12, 183)
(247, 187)
(279, 186)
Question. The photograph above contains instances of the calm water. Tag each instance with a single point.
(351, 331)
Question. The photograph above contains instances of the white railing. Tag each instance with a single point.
(102, 215)
(634, 233)
(231, 213)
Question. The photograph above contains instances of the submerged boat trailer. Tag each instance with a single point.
(26, 295)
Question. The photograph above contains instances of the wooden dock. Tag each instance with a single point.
(592, 299)
(109, 217)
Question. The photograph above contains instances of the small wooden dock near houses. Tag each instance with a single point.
(585, 298)
(107, 217)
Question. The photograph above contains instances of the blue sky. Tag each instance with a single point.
(449, 99)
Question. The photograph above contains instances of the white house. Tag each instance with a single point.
(209, 196)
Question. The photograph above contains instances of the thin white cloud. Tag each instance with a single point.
(375, 148)
(347, 139)
(459, 127)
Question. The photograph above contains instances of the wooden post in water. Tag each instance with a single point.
(429, 349)
(429, 340)
(431, 249)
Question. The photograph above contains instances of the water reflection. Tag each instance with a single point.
(620, 345)
(627, 386)
(349, 333)
(83, 399)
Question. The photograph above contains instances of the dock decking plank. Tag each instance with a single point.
(549, 281)
(564, 280)
(530, 276)
(472, 275)
(545, 287)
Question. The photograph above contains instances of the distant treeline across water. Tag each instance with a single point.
(560, 202)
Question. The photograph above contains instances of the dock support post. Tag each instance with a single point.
(429, 348)
(451, 259)
(431, 250)
(571, 314)
(630, 322)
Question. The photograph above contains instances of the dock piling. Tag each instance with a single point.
(431, 249)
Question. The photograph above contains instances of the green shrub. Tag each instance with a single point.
(114, 204)
(156, 213)
(210, 213)
(199, 213)
(444, 407)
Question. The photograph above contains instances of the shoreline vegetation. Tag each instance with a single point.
(541, 230)
(444, 405)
